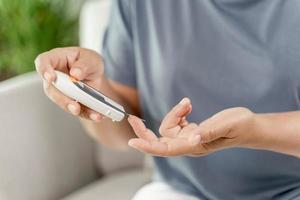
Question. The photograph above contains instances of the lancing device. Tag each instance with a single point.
(88, 96)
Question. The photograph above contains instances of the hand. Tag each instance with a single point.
(233, 127)
(178, 136)
(83, 64)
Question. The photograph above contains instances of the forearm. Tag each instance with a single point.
(280, 132)
(113, 134)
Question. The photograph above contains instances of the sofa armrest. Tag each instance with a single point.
(94, 17)
(44, 153)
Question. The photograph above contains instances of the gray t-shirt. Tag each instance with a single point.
(220, 54)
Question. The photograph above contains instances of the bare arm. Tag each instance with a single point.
(280, 132)
(233, 127)
(114, 134)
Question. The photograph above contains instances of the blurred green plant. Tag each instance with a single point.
(29, 27)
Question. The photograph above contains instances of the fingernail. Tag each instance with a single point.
(47, 76)
(130, 143)
(76, 72)
(72, 109)
(183, 101)
(94, 117)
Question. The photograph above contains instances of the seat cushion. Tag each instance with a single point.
(120, 185)
(40, 141)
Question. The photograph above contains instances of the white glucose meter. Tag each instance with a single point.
(88, 96)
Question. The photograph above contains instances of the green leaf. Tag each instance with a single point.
(29, 27)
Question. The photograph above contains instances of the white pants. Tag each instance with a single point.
(161, 191)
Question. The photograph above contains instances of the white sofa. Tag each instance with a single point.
(44, 152)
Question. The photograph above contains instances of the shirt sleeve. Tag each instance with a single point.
(117, 49)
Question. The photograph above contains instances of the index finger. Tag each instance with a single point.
(59, 58)
(140, 129)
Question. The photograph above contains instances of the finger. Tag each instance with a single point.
(69, 105)
(153, 147)
(140, 129)
(165, 146)
(174, 116)
(90, 114)
(183, 122)
(81, 70)
(63, 58)
(61, 100)
(158, 148)
(86, 68)
(59, 58)
(44, 67)
(181, 146)
(170, 125)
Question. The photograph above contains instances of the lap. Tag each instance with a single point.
(161, 191)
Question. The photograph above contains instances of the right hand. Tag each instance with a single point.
(82, 64)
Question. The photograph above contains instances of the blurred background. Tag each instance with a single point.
(29, 27)
(45, 153)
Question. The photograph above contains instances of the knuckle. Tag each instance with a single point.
(211, 134)
(82, 67)
(56, 49)
(74, 50)
(66, 50)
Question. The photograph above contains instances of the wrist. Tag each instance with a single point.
(271, 132)
(262, 136)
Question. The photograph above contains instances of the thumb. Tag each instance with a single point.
(79, 70)
(88, 66)
(83, 71)
(213, 129)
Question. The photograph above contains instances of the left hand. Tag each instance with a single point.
(234, 127)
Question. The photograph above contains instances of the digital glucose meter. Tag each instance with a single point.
(88, 96)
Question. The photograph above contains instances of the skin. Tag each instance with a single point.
(87, 65)
(234, 127)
